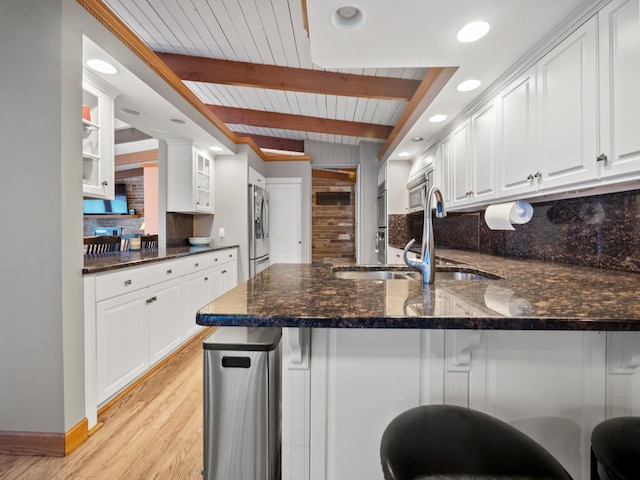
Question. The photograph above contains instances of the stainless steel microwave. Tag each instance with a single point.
(417, 196)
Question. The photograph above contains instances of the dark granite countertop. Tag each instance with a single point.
(112, 261)
(533, 295)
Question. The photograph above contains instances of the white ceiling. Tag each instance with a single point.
(399, 38)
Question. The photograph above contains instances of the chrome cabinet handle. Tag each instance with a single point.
(151, 300)
(127, 283)
(538, 175)
(224, 271)
(602, 158)
(196, 265)
(530, 176)
(169, 272)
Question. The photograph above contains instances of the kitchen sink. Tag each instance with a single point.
(383, 272)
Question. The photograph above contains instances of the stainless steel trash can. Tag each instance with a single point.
(242, 404)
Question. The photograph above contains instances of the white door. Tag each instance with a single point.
(285, 220)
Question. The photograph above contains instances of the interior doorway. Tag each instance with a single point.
(333, 214)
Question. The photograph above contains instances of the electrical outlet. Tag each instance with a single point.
(221, 232)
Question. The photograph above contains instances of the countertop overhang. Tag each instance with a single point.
(533, 295)
(104, 262)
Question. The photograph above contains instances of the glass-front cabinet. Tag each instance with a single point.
(97, 138)
(190, 173)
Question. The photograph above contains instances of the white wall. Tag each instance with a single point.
(232, 207)
(41, 344)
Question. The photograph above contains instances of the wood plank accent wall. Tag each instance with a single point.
(330, 222)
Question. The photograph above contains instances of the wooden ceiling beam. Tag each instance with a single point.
(255, 75)
(275, 143)
(285, 121)
(433, 82)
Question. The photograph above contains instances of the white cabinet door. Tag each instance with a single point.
(550, 385)
(229, 277)
(568, 102)
(484, 143)
(196, 292)
(122, 342)
(442, 170)
(190, 175)
(460, 162)
(620, 95)
(518, 163)
(164, 311)
(97, 141)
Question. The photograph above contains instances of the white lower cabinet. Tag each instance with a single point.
(122, 342)
(135, 317)
(548, 384)
(164, 310)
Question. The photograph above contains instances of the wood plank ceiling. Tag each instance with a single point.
(249, 62)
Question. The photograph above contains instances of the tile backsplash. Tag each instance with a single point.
(599, 231)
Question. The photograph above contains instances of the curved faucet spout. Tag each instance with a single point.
(426, 265)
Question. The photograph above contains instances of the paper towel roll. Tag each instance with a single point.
(501, 216)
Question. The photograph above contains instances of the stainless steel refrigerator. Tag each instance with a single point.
(258, 229)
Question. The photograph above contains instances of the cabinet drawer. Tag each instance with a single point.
(130, 279)
(122, 281)
(228, 255)
(196, 263)
(163, 271)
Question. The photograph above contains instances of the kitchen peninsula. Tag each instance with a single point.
(548, 348)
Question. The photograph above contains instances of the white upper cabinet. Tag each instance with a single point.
(442, 169)
(97, 138)
(190, 173)
(568, 102)
(484, 144)
(461, 165)
(620, 95)
(518, 161)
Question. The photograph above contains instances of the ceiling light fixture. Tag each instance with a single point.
(404, 154)
(417, 139)
(216, 148)
(468, 85)
(131, 111)
(348, 17)
(177, 121)
(473, 31)
(101, 66)
(438, 118)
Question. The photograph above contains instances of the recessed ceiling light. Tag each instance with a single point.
(438, 118)
(131, 111)
(348, 17)
(417, 139)
(404, 154)
(101, 66)
(158, 130)
(468, 85)
(178, 121)
(216, 148)
(473, 31)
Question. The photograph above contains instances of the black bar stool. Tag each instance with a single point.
(451, 442)
(615, 449)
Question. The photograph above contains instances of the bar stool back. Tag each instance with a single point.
(615, 449)
(451, 442)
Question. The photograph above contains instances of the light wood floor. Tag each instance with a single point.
(153, 433)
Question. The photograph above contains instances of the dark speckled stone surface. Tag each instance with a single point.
(533, 295)
(112, 261)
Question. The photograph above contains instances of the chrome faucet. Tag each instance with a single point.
(426, 266)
